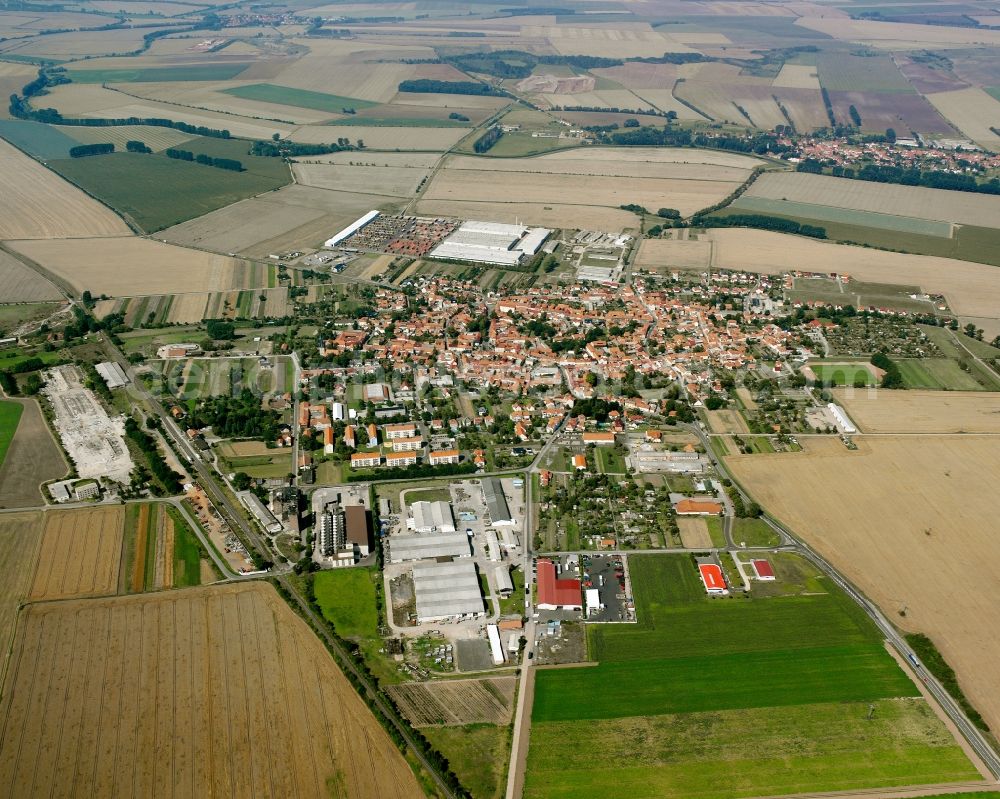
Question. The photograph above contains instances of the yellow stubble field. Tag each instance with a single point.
(218, 691)
(922, 411)
(38, 204)
(80, 553)
(911, 521)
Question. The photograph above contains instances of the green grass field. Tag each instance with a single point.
(298, 98)
(733, 697)
(477, 753)
(936, 373)
(846, 216)
(187, 552)
(348, 599)
(10, 415)
(608, 461)
(36, 138)
(843, 374)
(201, 72)
(757, 752)
(156, 192)
(755, 533)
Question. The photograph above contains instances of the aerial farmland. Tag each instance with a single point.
(471, 402)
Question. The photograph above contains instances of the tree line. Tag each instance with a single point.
(428, 86)
(903, 176)
(207, 160)
(488, 139)
(762, 222)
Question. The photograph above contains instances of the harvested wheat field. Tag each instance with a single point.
(588, 217)
(916, 201)
(33, 458)
(38, 204)
(727, 421)
(452, 702)
(20, 537)
(21, 284)
(911, 521)
(156, 138)
(130, 266)
(486, 185)
(672, 253)
(694, 533)
(972, 111)
(218, 691)
(971, 289)
(922, 411)
(81, 553)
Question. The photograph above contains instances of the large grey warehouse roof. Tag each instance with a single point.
(496, 502)
(429, 545)
(447, 589)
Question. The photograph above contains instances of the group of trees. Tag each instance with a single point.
(892, 377)
(488, 139)
(237, 417)
(169, 481)
(134, 146)
(762, 222)
(429, 86)
(83, 150)
(207, 160)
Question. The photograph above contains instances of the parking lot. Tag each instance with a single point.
(609, 575)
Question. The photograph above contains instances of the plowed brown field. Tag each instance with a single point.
(81, 553)
(218, 691)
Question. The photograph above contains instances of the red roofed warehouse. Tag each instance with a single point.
(556, 594)
(711, 576)
(694, 507)
(763, 569)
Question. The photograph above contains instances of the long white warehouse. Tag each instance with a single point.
(351, 229)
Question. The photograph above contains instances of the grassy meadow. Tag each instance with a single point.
(298, 98)
(733, 697)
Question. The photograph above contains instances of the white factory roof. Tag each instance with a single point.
(433, 516)
(491, 242)
(496, 648)
(430, 545)
(112, 374)
(350, 230)
(447, 589)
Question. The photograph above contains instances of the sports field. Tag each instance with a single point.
(843, 374)
(726, 697)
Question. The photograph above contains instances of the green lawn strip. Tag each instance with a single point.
(347, 598)
(187, 552)
(772, 751)
(854, 672)
(297, 98)
(429, 495)
(477, 753)
(936, 373)
(201, 72)
(10, 416)
(755, 533)
(715, 531)
(12, 359)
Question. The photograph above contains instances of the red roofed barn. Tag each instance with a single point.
(556, 594)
